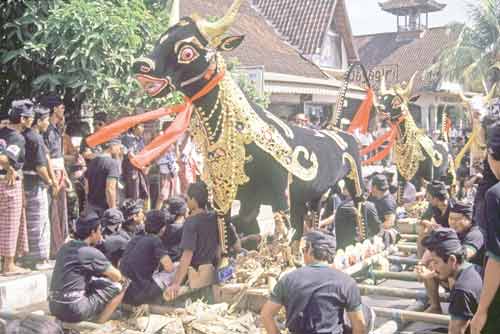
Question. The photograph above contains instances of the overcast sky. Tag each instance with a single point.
(367, 17)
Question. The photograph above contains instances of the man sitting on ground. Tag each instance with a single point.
(449, 263)
(200, 242)
(315, 296)
(85, 285)
(142, 258)
(471, 239)
(115, 239)
(133, 212)
(386, 206)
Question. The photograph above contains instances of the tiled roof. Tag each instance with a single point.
(401, 56)
(395, 6)
(262, 46)
(304, 23)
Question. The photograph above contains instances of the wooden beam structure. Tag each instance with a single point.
(373, 290)
(402, 275)
(404, 315)
(403, 260)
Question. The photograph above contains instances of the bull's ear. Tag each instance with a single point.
(230, 43)
(414, 98)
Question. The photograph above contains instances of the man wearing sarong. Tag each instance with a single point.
(316, 296)
(12, 153)
(487, 318)
(58, 204)
(136, 184)
(36, 180)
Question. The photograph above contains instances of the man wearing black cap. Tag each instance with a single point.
(439, 205)
(36, 180)
(12, 154)
(115, 239)
(85, 285)
(142, 257)
(470, 235)
(102, 177)
(449, 264)
(315, 296)
(133, 212)
(54, 141)
(386, 206)
(177, 209)
(487, 318)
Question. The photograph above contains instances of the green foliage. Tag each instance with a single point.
(247, 86)
(475, 59)
(80, 48)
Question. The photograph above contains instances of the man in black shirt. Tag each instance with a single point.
(115, 239)
(200, 241)
(487, 318)
(102, 177)
(386, 207)
(448, 260)
(133, 212)
(142, 258)
(85, 285)
(58, 202)
(36, 181)
(346, 221)
(438, 211)
(315, 296)
(89, 153)
(12, 153)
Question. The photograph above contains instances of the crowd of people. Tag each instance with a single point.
(135, 236)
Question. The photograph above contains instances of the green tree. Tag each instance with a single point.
(475, 59)
(80, 48)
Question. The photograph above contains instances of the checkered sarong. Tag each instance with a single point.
(38, 223)
(12, 226)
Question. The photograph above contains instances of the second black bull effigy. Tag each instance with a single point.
(249, 154)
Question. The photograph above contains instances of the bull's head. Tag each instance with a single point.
(396, 100)
(478, 105)
(184, 57)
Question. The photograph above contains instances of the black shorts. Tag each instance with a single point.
(99, 293)
(145, 292)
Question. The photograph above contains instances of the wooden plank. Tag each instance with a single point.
(372, 290)
(393, 327)
(403, 260)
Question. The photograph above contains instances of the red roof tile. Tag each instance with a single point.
(404, 56)
(262, 46)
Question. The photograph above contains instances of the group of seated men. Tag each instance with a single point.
(133, 257)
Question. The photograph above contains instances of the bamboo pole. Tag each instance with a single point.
(404, 315)
(366, 263)
(409, 237)
(409, 248)
(369, 290)
(393, 327)
(403, 260)
(409, 227)
(402, 276)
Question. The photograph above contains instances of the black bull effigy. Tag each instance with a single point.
(249, 154)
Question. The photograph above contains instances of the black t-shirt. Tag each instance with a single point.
(53, 139)
(12, 144)
(464, 296)
(345, 222)
(114, 246)
(99, 170)
(385, 205)
(37, 153)
(488, 181)
(172, 241)
(76, 264)
(441, 219)
(474, 239)
(493, 222)
(200, 235)
(83, 147)
(315, 298)
(141, 258)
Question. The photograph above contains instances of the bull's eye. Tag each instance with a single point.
(187, 54)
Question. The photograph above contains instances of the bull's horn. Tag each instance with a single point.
(409, 88)
(174, 16)
(464, 98)
(491, 94)
(383, 87)
(212, 30)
